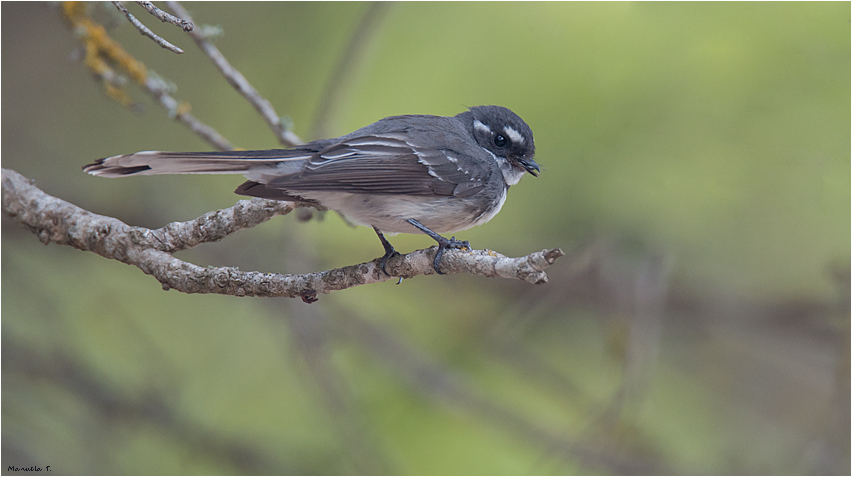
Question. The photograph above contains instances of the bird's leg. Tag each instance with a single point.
(389, 251)
(443, 243)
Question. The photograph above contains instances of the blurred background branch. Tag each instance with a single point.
(345, 68)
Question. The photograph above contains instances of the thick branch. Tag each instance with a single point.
(58, 221)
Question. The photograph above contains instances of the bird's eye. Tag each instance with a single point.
(500, 140)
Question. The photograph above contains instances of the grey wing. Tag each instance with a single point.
(379, 164)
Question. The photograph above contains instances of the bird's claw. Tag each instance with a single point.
(384, 260)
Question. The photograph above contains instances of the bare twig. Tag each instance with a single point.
(239, 82)
(145, 30)
(166, 17)
(55, 220)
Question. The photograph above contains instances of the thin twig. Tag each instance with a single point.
(55, 220)
(239, 82)
(180, 111)
(166, 17)
(144, 30)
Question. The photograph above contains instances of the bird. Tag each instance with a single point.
(401, 174)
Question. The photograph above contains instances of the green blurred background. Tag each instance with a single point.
(696, 168)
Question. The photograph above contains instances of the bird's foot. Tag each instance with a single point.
(443, 244)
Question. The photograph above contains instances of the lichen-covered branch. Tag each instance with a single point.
(58, 221)
(108, 61)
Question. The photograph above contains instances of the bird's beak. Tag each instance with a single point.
(530, 165)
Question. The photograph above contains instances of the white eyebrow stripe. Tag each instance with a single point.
(515, 136)
(477, 124)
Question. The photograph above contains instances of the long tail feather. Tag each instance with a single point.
(156, 162)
